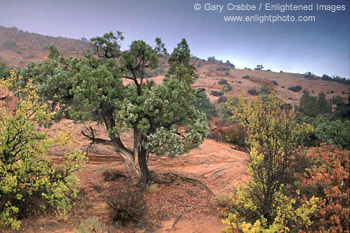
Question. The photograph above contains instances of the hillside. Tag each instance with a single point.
(18, 47)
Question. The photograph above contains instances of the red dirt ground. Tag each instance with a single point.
(217, 165)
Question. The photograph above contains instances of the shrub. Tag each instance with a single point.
(222, 99)
(274, 82)
(203, 104)
(226, 88)
(295, 88)
(253, 92)
(222, 82)
(309, 75)
(152, 188)
(45, 46)
(216, 93)
(264, 204)
(328, 179)
(227, 73)
(126, 206)
(9, 44)
(71, 48)
(235, 134)
(28, 179)
(90, 225)
(222, 69)
(224, 200)
(246, 77)
(265, 90)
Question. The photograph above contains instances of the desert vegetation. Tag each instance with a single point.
(269, 165)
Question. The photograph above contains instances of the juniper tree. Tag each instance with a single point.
(162, 117)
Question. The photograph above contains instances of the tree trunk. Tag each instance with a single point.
(145, 174)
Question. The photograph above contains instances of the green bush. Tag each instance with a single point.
(222, 99)
(246, 77)
(90, 225)
(28, 179)
(222, 82)
(126, 206)
(253, 92)
(222, 69)
(9, 44)
(274, 82)
(226, 88)
(203, 104)
(295, 88)
(216, 93)
(224, 200)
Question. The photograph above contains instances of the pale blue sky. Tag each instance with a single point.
(321, 47)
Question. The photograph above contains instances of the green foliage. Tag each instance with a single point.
(253, 92)
(216, 93)
(235, 134)
(26, 174)
(313, 106)
(226, 88)
(222, 69)
(9, 44)
(4, 70)
(295, 88)
(203, 104)
(126, 206)
(107, 46)
(222, 99)
(90, 225)
(224, 200)
(152, 188)
(222, 82)
(263, 204)
(274, 82)
(334, 132)
(246, 77)
(162, 117)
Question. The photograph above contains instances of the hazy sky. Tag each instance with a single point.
(321, 47)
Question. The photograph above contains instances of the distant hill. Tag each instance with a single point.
(18, 47)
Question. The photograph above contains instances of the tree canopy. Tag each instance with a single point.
(110, 86)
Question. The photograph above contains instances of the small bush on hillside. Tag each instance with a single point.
(9, 44)
(236, 135)
(295, 88)
(224, 200)
(274, 82)
(227, 73)
(246, 77)
(265, 90)
(222, 99)
(216, 93)
(45, 46)
(90, 225)
(309, 75)
(126, 206)
(222, 69)
(222, 82)
(253, 92)
(226, 88)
